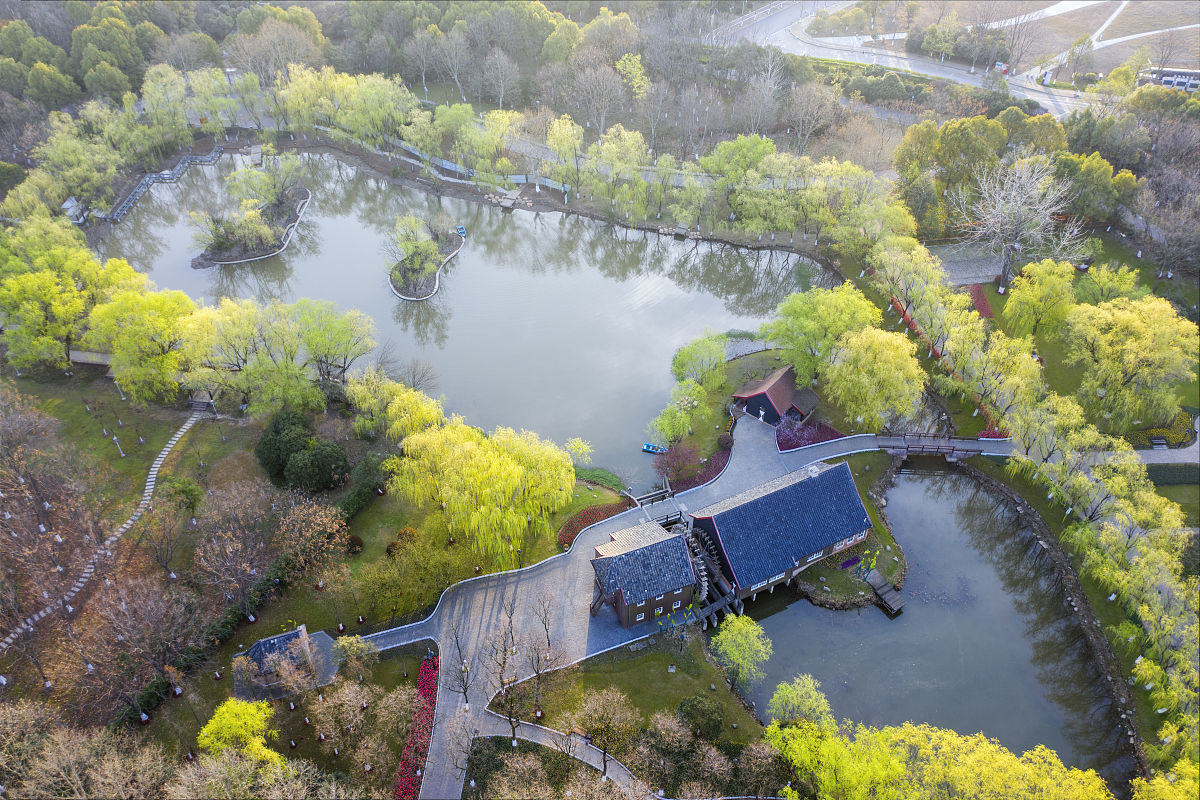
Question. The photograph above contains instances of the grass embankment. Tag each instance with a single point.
(843, 584)
(643, 675)
(1110, 615)
(115, 481)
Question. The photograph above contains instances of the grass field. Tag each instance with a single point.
(644, 677)
(88, 434)
(1056, 34)
(1186, 52)
(1153, 15)
(1188, 497)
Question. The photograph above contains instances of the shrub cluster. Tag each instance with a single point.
(292, 456)
(586, 517)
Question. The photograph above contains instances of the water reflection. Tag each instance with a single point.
(986, 641)
(589, 313)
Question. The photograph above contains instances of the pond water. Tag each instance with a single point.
(986, 641)
(551, 322)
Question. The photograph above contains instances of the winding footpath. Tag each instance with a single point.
(104, 550)
(476, 606)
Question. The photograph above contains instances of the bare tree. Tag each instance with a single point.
(417, 373)
(543, 609)
(268, 51)
(810, 110)
(458, 674)
(757, 108)
(539, 661)
(1015, 212)
(509, 696)
(598, 91)
(1023, 36)
(232, 564)
(421, 55)
(1165, 47)
(454, 56)
(163, 534)
(500, 74)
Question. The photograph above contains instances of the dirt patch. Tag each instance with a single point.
(235, 468)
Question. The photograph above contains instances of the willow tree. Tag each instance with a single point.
(385, 407)
(808, 325)
(144, 332)
(1134, 353)
(874, 375)
(495, 490)
(410, 250)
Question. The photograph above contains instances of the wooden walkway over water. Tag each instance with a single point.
(891, 600)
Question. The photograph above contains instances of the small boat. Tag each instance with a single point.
(461, 230)
(652, 448)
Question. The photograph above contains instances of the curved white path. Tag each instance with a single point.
(104, 550)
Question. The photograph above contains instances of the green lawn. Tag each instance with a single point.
(118, 480)
(644, 676)
(1188, 497)
(866, 468)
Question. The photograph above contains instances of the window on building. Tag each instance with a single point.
(778, 577)
(758, 585)
(660, 597)
(679, 591)
(642, 603)
(641, 617)
(814, 556)
(676, 604)
(658, 611)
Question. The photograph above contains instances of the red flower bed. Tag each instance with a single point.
(408, 780)
(991, 433)
(589, 516)
(979, 300)
(790, 435)
(712, 468)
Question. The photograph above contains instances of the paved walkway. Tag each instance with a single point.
(476, 605)
(105, 549)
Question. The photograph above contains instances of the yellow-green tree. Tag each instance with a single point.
(1042, 295)
(874, 376)
(144, 332)
(242, 727)
(742, 648)
(1134, 353)
(496, 490)
(385, 407)
(808, 325)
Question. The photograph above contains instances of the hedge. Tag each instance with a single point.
(1187, 474)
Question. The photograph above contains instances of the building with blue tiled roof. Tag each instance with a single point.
(769, 534)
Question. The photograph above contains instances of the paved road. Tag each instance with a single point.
(476, 605)
(785, 30)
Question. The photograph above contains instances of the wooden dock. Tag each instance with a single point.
(891, 600)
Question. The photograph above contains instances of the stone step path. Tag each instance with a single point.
(104, 550)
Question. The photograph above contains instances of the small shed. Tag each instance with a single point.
(74, 210)
(771, 398)
(310, 653)
(644, 572)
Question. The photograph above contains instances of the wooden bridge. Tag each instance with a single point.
(953, 448)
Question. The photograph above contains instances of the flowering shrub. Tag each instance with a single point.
(992, 433)
(408, 781)
(791, 434)
(979, 300)
(589, 516)
(712, 468)
(1176, 434)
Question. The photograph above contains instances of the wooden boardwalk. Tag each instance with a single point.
(891, 600)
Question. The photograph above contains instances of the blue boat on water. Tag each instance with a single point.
(462, 230)
(653, 448)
